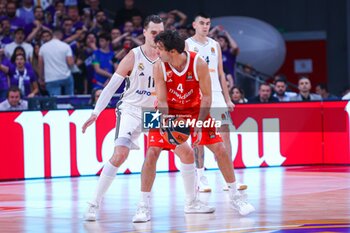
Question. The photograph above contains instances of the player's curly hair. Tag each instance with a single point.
(171, 40)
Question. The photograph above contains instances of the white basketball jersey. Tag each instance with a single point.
(209, 52)
(139, 87)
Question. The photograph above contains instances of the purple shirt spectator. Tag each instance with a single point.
(3, 78)
(25, 78)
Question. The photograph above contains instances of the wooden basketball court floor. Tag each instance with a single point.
(287, 199)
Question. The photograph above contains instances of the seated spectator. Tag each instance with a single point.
(281, 93)
(137, 24)
(2, 10)
(23, 78)
(237, 95)
(19, 41)
(264, 95)
(322, 90)
(304, 86)
(13, 101)
(95, 94)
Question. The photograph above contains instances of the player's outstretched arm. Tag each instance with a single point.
(124, 68)
(160, 86)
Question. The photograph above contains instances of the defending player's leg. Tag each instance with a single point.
(148, 174)
(107, 176)
(237, 201)
(192, 204)
(202, 181)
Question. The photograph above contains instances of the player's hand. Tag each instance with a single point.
(198, 134)
(89, 122)
(230, 105)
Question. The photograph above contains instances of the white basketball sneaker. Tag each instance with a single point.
(91, 212)
(203, 185)
(198, 207)
(238, 202)
(143, 213)
(240, 187)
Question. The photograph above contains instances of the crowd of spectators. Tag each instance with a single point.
(71, 47)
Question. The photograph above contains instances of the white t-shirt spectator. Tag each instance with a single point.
(54, 54)
(10, 48)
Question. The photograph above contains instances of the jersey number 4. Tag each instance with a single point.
(180, 88)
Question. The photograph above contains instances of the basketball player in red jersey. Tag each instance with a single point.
(183, 87)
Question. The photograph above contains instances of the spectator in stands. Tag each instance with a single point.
(4, 69)
(55, 61)
(69, 34)
(102, 62)
(95, 94)
(13, 101)
(33, 30)
(58, 14)
(5, 34)
(175, 19)
(15, 22)
(35, 60)
(20, 51)
(26, 12)
(94, 7)
(237, 95)
(89, 48)
(23, 78)
(304, 86)
(128, 44)
(280, 87)
(79, 74)
(182, 30)
(19, 41)
(2, 11)
(126, 13)
(264, 95)
(137, 24)
(230, 51)
(322, 90)
(116, 39)
(101, 23)
(73, 14)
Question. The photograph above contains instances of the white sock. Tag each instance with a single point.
(106, 178)
(146, 198)
(189, 178)
(232, 188)
(200, 172)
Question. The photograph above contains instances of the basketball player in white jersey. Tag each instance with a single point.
(136, 69)
(210, 51)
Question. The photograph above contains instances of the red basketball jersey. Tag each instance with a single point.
(183, 87)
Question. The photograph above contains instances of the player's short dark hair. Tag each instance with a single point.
(202, 14)
(171, 40)
(152, 18)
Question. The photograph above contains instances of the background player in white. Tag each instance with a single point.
(210, 51)
(137, 70)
